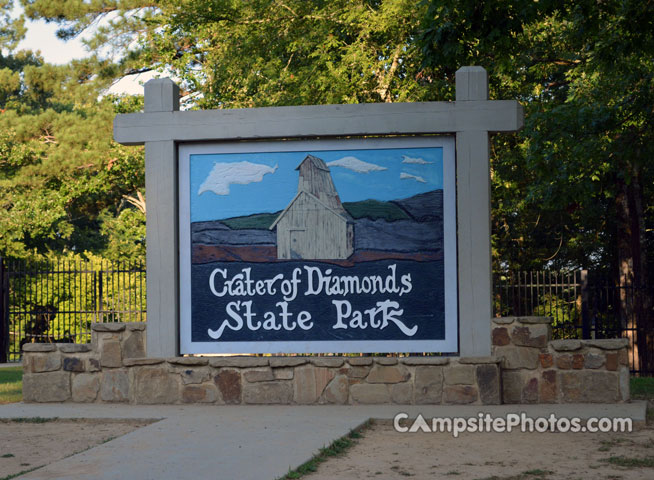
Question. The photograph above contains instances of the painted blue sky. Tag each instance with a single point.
(237, 184)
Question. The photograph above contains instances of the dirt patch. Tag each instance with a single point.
(32, 443)
(384, 453)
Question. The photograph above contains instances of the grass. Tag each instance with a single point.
(607, 445)
(31, 419)
(9, 477)
(337, 448)
(642, 387)
(11, 385)
(536, 474)
(631, 462)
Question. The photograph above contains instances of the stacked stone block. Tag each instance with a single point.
(536, 369)
(114, 369)
(526, 367)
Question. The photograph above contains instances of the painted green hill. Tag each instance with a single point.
(374, 210)
(370, 209)
(261, 221)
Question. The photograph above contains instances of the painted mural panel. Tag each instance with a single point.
(318, 247)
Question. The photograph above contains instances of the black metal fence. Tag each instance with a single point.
(583, 305)
(57, 301)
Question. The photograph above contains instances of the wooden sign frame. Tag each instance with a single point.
(162, 128)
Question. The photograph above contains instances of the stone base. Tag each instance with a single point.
(536, 369)
(526, 368)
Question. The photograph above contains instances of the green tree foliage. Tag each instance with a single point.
(61, 175)
(231, 53)
(565, 189)
(293, 52)
(11, 30)
(573, 189)
(584, 72)
(582, 69)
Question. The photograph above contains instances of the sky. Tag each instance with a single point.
(237, 184)
(42, 36)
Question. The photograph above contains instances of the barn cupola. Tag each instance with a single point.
(315, 178)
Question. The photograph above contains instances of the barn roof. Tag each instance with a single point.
(342, 214)
(316, 179)
(317, 162)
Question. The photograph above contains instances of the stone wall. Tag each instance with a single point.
(526, 367)
(113, 368)
(536, 369)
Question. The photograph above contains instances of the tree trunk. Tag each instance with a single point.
(635, 299)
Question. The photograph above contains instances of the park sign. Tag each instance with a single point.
(337, 228)
(318, 246)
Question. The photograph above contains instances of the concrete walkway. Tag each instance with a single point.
(10, 365)
(242, 442)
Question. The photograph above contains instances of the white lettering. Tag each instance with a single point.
(216, 334)
(211, 282)
(340, 314)
(302, 319)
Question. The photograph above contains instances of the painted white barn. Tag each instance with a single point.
(314, 225)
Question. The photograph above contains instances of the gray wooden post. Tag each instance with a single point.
(4, 314)
(162, 256)
(473, 222)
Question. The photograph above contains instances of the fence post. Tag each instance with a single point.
(4, 313)
(585, 310)
(100, 305)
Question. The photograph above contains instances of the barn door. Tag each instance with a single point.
(297, 243)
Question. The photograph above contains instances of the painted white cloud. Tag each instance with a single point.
(356, 165)
(408, 176)
(416, 160)
(242, 173)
